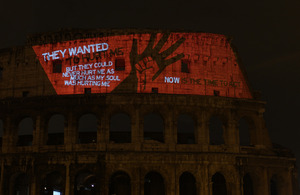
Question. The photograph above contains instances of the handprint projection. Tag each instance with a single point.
(139, 62)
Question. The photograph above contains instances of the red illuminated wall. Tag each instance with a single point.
(175, 63)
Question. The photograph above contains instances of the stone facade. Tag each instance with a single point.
(95, 167)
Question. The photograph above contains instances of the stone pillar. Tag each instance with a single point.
(235, 183)
(9, 137)
(263, 183)
(204, 183)
(202, 128)
(135, 127)
(36, 134)
(33, 188)
(284, 184)
(135, 182)
(170, 131)
(104, 131)
(231, 134)
(70, 135)
(67, 186)
(177, 180)
(171, 182)
(262, 134)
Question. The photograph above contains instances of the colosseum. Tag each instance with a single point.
(139, 112)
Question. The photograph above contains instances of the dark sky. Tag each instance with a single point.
(265, 33)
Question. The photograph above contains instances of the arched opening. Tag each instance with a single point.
(119, 184)
(56, 127)
(244, 132)
(185, 130)
(216, 131)
(218, 184)
(153, 127)
(274, 186)
(120, 128)
(1, 132)
(85, 183)
(187, 184)
(25, 131)
(87, 129)
(21, 185)
(247, 185)
(52, 184)
(154, 184)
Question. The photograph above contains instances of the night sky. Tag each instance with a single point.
(265, 33)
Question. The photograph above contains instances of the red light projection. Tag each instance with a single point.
(172, 63)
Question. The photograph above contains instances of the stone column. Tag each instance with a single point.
(135, 126)
(263, 183)
(9, 137)
(202, 128)
(170, 132)
(204, 183)
(135, 182)
(235, 183)
(33, 188)
(136, 136)
(70, 134)
(67, 186)
(37, 132)
(171, 182)
(262, 135)
(231, 134)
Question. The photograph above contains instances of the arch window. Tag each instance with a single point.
(120, 184)
(56, 127)
(21, 185)
(154, 184)
(85, 183)
(187, 184)
(52, 184)
(274, 186)
(185, 130)
(216, 131)
(247, 185)
(153, 127)
(87, 129)
(120, 128)
(218, 184)
(25, 131)
(244, 132)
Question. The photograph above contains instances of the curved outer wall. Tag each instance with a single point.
(28, 92)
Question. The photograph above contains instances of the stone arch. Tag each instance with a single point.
(187, 184)
(274, 185)
(248, 185)
(153, 127)
(154, 184)
(185, 129)
(20, 184)
(85, 183)
(120, 128)
(52, 182)
(87, 128)
(55, 130)
(25, 132)
(218, 184)
(246, 131)
(120, 184)
(277, 185)
(216, 130)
